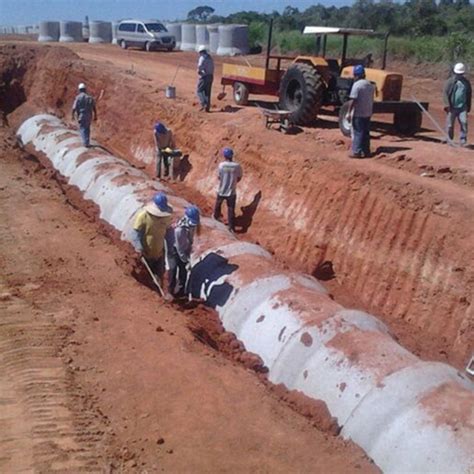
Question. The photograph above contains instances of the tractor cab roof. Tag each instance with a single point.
(329, 30)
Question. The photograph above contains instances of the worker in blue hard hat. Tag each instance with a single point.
(229, 174)
(361, 102)
(149, 231)
(165, 150)
(180, 243)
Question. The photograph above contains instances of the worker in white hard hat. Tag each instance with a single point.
(84, 110)
(457, 102)
(205, 71)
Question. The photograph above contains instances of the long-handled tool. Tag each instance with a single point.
(153, 277)
(434, 122)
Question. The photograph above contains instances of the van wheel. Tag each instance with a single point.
(148, 46)
(123, 44)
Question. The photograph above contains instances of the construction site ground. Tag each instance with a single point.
(99, 374)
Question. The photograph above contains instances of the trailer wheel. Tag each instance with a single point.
(344, 124)
(408, 123)
(241, 94)
(301, 92)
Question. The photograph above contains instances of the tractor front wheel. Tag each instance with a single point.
(301, 93)
(345, 125)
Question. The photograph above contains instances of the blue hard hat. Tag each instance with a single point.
(161, 201)
(228, 153)
(358, 70)
(160, 128)
(193, 215)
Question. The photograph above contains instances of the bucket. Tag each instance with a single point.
(170, 92)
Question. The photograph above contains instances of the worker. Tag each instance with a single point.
(457, 101)
(361, 102)
(165, 149)
(149, 231)
(84, 110)
(205, 71)
(229, 174)
(180, 244)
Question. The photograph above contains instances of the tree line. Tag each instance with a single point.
(412, 18)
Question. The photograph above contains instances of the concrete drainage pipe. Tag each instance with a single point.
(407, 414)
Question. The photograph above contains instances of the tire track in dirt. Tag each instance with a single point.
(44, 426)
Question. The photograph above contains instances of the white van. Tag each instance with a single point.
(147, 34)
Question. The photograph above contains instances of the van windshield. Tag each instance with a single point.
(155, 27)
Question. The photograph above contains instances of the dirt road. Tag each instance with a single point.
(98, 375)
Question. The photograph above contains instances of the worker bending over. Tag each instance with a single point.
(229, 174)
(457, 102)
(165, 150)
(149, 232)
(361, 104)
(84, 109)
(205, 71)
(180, 244)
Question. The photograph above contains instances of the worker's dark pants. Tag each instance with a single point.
(162, 160)
(230, 200)
(85, 132)
(204, 89)
(157, 267)
(177, 275)
(361, 136)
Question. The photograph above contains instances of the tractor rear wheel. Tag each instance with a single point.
(301, 92)
(408, 123)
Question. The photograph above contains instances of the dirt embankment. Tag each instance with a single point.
(396, 243)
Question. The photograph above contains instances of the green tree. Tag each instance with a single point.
(201, 13)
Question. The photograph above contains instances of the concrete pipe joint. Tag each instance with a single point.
(408, 415)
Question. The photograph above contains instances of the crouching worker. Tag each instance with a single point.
(149, 232)
(180, 243)
(165, 150)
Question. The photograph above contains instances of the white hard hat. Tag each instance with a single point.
(459, 68)
(202, 48)
(81, 86)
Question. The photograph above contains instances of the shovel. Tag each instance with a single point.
(153, 277)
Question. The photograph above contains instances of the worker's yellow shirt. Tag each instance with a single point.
(153, 230)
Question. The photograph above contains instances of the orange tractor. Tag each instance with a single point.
(313, 82)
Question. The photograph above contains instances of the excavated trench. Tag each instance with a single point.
(393, 246)
(403, 258)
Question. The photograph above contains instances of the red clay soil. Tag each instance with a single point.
(395, 231)
(99, 375)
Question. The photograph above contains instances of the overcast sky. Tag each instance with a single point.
(24, 12)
